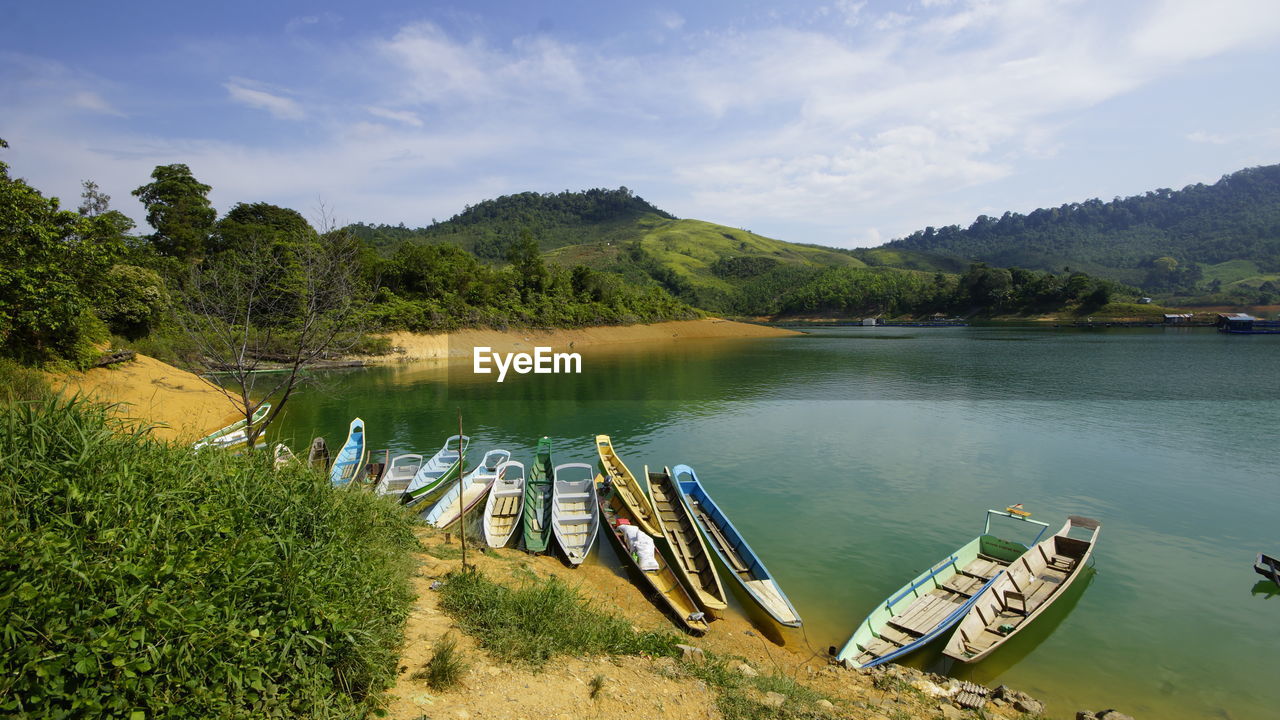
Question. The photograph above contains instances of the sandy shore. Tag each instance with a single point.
(416, 346)
(178, 403)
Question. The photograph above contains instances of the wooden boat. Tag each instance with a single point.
(689, 556)
(663, 581)
(575, 516)
(233, 434)
(1268, 567)
(537, 500)
(503, 509)
(398, 474)
(732, 550)
(935, 600)
(1023, 591)
(283, 455)
(628, 490)
(432, 476)
(474, 486)
(318, 455)
(350, 458)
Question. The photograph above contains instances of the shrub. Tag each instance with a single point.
(141, 579)
(445, 668)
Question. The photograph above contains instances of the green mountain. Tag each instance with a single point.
(1220, 242)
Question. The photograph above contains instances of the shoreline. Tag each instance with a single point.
(412, 347)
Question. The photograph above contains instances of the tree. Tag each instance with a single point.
(262, 308)
(95, 202)
(179, 210)
(253, 222)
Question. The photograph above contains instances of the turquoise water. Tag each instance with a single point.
(852, 459)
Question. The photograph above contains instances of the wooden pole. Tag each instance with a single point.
(462, 505)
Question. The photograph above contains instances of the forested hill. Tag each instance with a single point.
(490, 228)
(1163, 240)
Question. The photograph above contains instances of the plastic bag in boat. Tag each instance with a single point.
(640, 545)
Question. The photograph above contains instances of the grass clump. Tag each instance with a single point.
(737, 696)
(541, 618)
(596, 686)
(445, 668)
(142, 579)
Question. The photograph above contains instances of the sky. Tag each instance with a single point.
(845, 123)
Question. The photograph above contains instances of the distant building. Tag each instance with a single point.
(1235, 321)
(1144, 301)
(868, 321)
(1178, 319)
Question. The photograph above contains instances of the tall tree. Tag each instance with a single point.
(179, 210)
(93, 201)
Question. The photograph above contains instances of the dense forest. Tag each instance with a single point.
(1203, 239)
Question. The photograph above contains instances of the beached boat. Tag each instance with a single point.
(537, 500)
(398, 474)
(502, 510)
(689, 556)
(283, 455)
(935, 600)
(350, 459)
(432, 476)
(233, 434)
(732, 550)
(628, 489)
(1268, 567)
(575, 516)
(318, 455)
(471, 489)
(660, 578)
(1019, 595)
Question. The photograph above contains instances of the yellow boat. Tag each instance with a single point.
(639, 509)
(689, 553)
(661, 580)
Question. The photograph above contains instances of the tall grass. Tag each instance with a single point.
(141, 579)
(22, 384)
(541, 618)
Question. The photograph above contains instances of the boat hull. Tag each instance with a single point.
(627, 488)
(685, 546)
(536, 528)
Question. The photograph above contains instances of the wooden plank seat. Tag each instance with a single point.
(923, 615)
(963, 584)
(984, 569)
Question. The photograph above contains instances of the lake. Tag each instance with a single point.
(854, 458)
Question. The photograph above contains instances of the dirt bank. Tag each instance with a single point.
(179, 404)
(416, 346)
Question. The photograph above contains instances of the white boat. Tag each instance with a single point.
(474, 486)
(575, 515)
(398, 474)
(431, 477)
(505, 504)
(1029, 585)
(233, 434)
(284, 456)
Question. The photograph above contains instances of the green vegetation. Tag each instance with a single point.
(540, 619)
(1192, 243)
(595, 686)
(445, 668)
(738, 696)
(139, 579)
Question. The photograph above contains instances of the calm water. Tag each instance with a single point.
(854, 458)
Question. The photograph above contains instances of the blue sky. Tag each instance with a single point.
(843, 123)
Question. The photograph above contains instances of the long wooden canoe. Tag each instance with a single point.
(629, 492)
(662, 581)
(233, 434)
(398, 474)
(433, 476)
(474, 487)
(1023, 591)
(935, 600)
(732, 550)
(537, 500)
(575, 514)
(689, 555)
(503, 509)
(350, 459)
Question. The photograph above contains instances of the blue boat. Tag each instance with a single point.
(350, 459)
(732, 550)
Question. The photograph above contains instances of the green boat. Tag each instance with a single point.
(537, 500)
(934, 601)
(233, 434)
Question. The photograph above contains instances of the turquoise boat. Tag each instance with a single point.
(537, 500)
(936, 599)
(732, 550)
(350, 458)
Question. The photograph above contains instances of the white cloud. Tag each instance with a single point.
(670, 20)
(94, 102)
(401, 116)
(280, 107)
(1201, 136)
